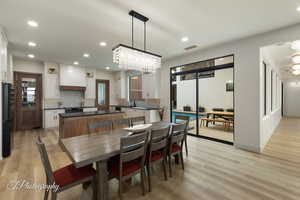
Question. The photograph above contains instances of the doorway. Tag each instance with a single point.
(28, 101)
(102, 94)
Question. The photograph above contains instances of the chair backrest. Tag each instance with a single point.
(133, 147)
(159, 139)
(103, 125)
(178, 133)
(218, 109)
(45, 160)
(137, 120)
(230, 110)
(121, 123)
(180, 118)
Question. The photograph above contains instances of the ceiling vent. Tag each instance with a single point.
(190, 47)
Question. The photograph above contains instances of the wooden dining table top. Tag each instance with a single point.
(86, 149)
(221, 113)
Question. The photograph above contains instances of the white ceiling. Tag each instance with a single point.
(67, 29)
(281, 55)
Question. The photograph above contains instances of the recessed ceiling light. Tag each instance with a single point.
(296, 67)
(32, 23)
(103, 44)
(298, 9)
(86, 55)
(184, 39)
(296, 72)
(76, 63)
(296, 45)
(296, 58)
(31, 44)
(30, 56)
(107, 68)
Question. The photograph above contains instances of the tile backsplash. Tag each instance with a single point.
(71, 98)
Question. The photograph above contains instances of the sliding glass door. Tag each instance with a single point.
(184, 103)
(204, 92)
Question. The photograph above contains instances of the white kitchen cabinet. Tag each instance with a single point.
(51, 82)
(52, 118)
(72, 76)
(89, 109)
(90, 92)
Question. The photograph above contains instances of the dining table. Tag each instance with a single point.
(98, 148)
(220, 114)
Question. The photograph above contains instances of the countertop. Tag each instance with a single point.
(84, 114)
(62, 108)
(137, 107)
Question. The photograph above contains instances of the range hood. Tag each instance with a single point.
(72, 78)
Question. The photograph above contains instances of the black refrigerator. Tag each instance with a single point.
(7, 119)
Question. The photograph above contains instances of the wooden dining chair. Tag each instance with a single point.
(157, 151)
(131, 161)
(137, 120)
(176, 141)
(187, 120)
(102, 125)
(65, 177)
(121, 123)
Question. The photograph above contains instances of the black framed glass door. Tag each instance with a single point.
(204, 92)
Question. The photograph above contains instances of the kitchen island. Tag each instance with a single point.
(75, 124)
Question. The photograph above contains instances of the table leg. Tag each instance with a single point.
(102, 180)
(207, 120)
(214, 117)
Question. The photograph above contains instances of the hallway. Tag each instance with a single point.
(285, 142)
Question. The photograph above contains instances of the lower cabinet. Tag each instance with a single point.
(52, 118)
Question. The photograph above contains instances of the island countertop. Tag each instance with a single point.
(84, 114)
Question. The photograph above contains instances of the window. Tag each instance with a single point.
(265, 89)
(272, 90)
(135, 87)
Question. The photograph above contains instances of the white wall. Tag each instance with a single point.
(291, 95)
(111, 76)
(271, 120)
(248, 79)
(212, 91)
(25, 65)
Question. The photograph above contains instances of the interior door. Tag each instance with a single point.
(102, 94)
(28, 100)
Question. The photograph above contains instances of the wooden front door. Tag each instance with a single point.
(102, 94)
(28, 87)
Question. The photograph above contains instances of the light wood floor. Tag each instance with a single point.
(214, 131)
(213, 171)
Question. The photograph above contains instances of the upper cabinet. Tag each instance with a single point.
(3, 55)
(51, 81)
(90, 92)
(72, 76)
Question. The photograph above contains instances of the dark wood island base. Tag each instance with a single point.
(76, 124)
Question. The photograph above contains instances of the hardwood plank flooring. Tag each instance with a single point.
(213, 171)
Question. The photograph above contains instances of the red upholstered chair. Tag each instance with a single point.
(65, 177)
(157, 151)
(176, 141)
(131, 160)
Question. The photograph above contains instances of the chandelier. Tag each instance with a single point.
(130, 58)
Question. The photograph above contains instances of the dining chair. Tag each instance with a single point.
(157, 151)
(106, 125)
(187, 120)
(66, 177)
(176, 141)
(137, 120)
(121, 123)
(131, 160)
